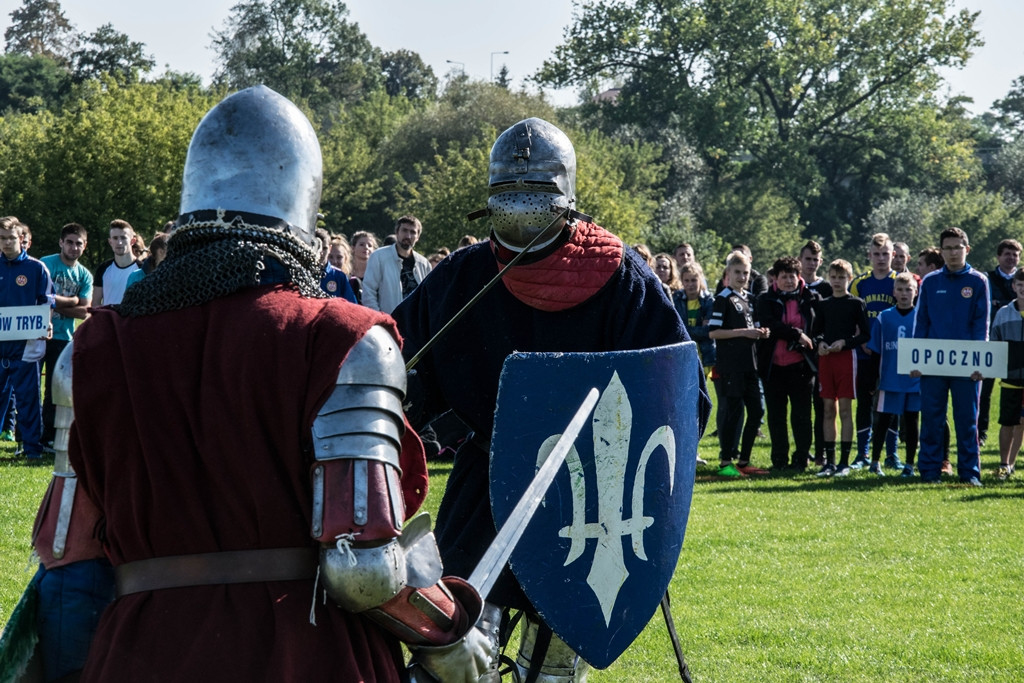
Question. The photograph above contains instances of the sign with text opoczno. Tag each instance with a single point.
(951, 357)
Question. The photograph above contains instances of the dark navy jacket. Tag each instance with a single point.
(24, 281)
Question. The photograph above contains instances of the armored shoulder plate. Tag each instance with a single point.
(376, 359)
(363, 417)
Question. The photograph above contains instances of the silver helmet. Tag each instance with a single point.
(532, 179)
(256, 153)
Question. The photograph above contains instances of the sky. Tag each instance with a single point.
(464, 34)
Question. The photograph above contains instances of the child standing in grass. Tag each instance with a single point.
(693, 303)
(733, 329)
(840, 326)
(897, 394)
(785, 363)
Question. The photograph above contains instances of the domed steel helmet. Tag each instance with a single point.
(256, 153)
(532, 179)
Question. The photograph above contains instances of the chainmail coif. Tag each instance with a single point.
(210, 259)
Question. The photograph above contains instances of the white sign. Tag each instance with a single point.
(951, 357)
(24, 322)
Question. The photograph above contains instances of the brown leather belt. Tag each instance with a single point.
(207, 569)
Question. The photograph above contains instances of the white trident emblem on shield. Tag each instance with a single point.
(613, 422)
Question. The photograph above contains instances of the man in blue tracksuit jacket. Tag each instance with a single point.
(24, 281)
(953, 304)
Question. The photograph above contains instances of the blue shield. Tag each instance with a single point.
(598, 555)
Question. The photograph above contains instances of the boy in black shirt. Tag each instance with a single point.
(840, 326)
(733, 329)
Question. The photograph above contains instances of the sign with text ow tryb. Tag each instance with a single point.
(24, 322)
(951, 357)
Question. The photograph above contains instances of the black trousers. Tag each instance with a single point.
(867, 383)
(740, 392)
(54, 347)
(792, 386)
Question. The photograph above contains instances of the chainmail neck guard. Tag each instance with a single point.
(208, 259)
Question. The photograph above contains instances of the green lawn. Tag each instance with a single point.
(792, 578)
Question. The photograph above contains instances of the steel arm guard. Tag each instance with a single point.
(368, 564)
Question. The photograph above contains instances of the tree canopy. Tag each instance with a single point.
(304, 49)
(108, 51)
(765, 122)
(821, 96)
(39, 28)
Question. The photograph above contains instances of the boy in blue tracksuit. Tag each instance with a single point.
(953, 304)
(24, 281)
(899, 396)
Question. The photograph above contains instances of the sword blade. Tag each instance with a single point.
(487, 570)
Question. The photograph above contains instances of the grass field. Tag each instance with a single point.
(790, 578)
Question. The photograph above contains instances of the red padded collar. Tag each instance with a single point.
(570, 275)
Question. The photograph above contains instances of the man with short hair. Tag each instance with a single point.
(928, 260)
(684, 254)
(811, 257)
(392, 272)
(1000, 287)
(112, 276)
(953, 304)
(875, 288)
(900, 257)
(24, 281)
(72, 285)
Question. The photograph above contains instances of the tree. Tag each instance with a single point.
(1010, 109)
(907, 218)
(108, 51)
(304, 49)
(751, 212)
(504, 80)
(438, 161)
(112, 152)
(354, 196)
(405, 74)
(31, 84)
(445, 190)
(39, 27)
(466, 110)
(917, 219)
(818, 96)
(181, 80)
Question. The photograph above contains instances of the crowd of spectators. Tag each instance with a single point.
(813, 347)
(71, 289)
(801, 348)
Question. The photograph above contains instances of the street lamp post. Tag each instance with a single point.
(462, 65)
(500, 52)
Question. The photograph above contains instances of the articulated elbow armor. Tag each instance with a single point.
(368, 563)
(357, 438)
(63, 532)
(64, 415)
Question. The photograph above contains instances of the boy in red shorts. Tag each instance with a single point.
(840, 326)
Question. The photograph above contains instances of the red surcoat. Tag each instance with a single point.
(192, 435)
